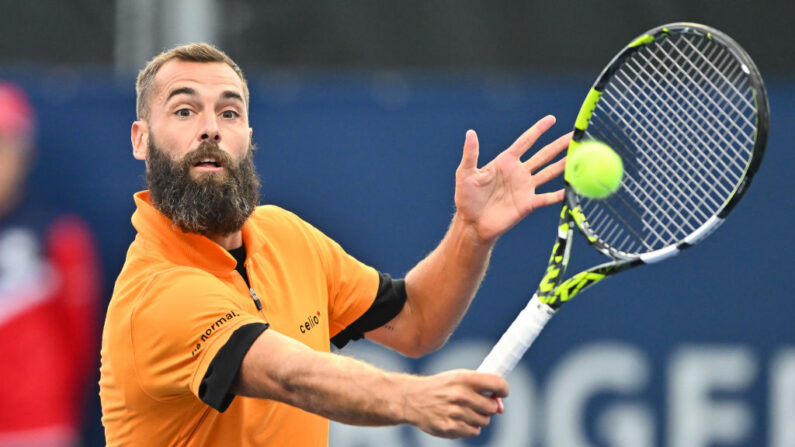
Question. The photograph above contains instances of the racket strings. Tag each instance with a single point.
(636, 189)
(681, 113)
(720, 108)
(681, 139)
(714, 75)
(602, 222)
(690, 130)
(719, 133)
(693, 157)
(648, 166)
(632, 191)
(679, 167)
(743, 127)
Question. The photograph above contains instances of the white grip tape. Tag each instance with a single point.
(517, 339)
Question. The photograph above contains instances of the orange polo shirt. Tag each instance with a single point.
(179, 304)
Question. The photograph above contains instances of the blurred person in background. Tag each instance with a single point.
(49, 285)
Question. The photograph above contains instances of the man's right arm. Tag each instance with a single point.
(450, 404)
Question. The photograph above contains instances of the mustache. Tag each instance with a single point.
(207, 149)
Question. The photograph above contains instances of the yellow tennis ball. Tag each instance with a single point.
(594, 170)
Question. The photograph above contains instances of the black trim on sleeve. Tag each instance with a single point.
(388, 303)
(222, 372)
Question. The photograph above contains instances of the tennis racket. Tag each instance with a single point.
(686, 109)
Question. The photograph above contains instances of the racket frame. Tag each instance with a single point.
(552, 291)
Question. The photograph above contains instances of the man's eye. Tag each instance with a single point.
(184, 113)
(229, 114)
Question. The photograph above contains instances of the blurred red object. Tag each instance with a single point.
(16, 112)
(49, 295)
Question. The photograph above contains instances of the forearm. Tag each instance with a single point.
(489, 201)
(333, 386)
(450, 404)
(442, 285)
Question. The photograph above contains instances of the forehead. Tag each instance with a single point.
(198, 75)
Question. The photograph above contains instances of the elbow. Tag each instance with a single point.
(423, 337)
(422, 346)
(413, 335)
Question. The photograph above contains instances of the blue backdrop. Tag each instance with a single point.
(696, 351)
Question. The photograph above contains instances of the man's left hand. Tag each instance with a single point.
(497, 196)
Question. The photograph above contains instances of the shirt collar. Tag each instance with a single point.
(189, 249)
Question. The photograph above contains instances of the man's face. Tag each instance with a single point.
(198, 148)
(194, 102)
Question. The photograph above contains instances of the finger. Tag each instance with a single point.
(472, 417)
(500, 405)
(462, 429)
(469, 160)
(548, 198)
(485, 404)
(489, 384)
(529, 137)
(548, 152)
(549, 172)
(453, 427)
(453, 430)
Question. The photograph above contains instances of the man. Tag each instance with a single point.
(49, 286)
(219, 328)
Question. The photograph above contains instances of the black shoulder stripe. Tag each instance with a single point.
(222, 372)
(389, 301)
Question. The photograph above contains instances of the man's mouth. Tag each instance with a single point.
(208, 164)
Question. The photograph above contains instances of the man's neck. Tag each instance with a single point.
(228, 241)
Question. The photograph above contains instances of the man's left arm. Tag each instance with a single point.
(489, 201)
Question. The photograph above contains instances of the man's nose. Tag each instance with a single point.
(211, 130)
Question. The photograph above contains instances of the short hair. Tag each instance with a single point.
(194, 52)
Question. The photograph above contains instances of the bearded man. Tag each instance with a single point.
(220, 324)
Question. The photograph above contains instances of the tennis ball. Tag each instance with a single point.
(594, 170)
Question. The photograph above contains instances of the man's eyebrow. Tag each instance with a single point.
(229, 94)
(181, 91)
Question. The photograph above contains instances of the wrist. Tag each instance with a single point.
(404, 405)
(470, 232)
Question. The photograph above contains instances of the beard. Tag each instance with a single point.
(209, 203)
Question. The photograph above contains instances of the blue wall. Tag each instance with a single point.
(370, 160)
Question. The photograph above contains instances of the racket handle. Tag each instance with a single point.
(517, 339)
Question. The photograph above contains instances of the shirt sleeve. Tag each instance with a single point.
(352, 285)
(216, 385)
(182, 321)
(389, 301)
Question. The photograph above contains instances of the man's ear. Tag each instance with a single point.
(139, 134)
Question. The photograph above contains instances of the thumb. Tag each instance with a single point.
(469, 160)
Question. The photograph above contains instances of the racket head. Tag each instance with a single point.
(686, 108)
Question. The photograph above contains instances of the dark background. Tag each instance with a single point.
(545, 36)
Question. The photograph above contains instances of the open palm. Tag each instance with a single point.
(497, 196)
